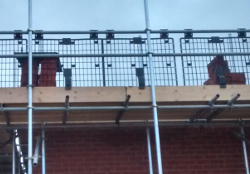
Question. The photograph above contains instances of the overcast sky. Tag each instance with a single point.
(125, 14)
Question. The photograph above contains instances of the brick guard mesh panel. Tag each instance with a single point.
(111, 71)
(10, 71)
(195, 67)
(88, 71)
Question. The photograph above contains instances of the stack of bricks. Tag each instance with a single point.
(24, 76)
(47, 76)
(48, 72)
(218, 66)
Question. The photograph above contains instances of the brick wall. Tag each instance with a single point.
(185, 150)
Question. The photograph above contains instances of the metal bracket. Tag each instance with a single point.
(188, 33)
(120, 113)
(215, 39)
(38, 36)
(221, 77)
(242, 33)
(141, 77)
(18, 35)
(93, 34)
(222, 81)
(66, 41)
(66, 113)
(164, 34)
(137, 40)
(110, 34)
(68, 78)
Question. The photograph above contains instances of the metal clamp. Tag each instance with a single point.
(32, 86)
(150, 52)
(30, 107)
(29, 158)
(155, 106)
(30, 29)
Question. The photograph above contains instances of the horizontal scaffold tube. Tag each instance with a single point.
(125, 55)
(127, 31)
(167, 107)
(200, 122)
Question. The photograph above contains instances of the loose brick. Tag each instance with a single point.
(218, 63)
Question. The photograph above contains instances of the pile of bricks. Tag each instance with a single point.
(48, 72)
(24, 76)
(47, 76)
(218, 68)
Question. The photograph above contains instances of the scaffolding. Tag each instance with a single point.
(142, 62)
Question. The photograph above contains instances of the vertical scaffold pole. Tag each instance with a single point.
(30, 102)
(43, 151)
(149, 152)
(14, 153)
(155, 114)
(244, 149)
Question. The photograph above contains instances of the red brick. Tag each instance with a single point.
(237, 78)
(48, 72)
(104, 150)
(24, 75)
(230, 78)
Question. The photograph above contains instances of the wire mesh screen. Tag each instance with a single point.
(110, 71)
(195, 70)
(10, 70)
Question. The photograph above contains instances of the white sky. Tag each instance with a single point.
(125, 14)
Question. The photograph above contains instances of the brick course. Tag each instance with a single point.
(47, 77)
(185, 150)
